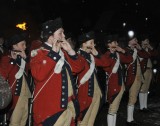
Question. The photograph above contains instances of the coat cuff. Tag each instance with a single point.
(74, 57)
(97, 56)
(126, 53)
(54, 56)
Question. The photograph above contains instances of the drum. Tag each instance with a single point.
(5, 93)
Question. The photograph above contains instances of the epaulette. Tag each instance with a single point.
(35, 52)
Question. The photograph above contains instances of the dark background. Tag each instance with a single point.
(78, 15)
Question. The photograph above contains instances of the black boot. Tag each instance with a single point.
(146, 110)
(133, 123)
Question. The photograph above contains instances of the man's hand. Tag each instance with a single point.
(138, 46)
(94, 51)
(119, 49)
(67, 47)
(150, 47)
(23, 54)
(55, 44)
(20, 53)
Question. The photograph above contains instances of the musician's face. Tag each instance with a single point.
(59, 34)
(113, 44)
(21, 46)
(133, 42)
(88, 45)
(145, 42)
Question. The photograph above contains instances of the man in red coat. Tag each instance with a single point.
(134, 77)
(14, 69)
(52, 65)
(115, 75)
(89, 92)
(147, 71)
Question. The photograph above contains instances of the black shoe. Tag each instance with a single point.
(133, 123)
(146, 110)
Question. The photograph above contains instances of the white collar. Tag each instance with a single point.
(48, 44)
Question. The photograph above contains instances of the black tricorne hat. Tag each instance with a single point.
(49, 27)
(15, 38)
(110, 38)
(143, 37)
(86, 36)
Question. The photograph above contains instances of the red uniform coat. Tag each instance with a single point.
(53, 98)
(151, 54)
(115, 80)
(86, 91)
(8, 70)
(131, 69)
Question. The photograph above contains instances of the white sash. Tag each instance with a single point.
(89, 72)
(1, 49)
(60, 63)
(134, 55)
(21, 70)
(116, 65)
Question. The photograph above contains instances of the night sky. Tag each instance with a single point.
(142, 16)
